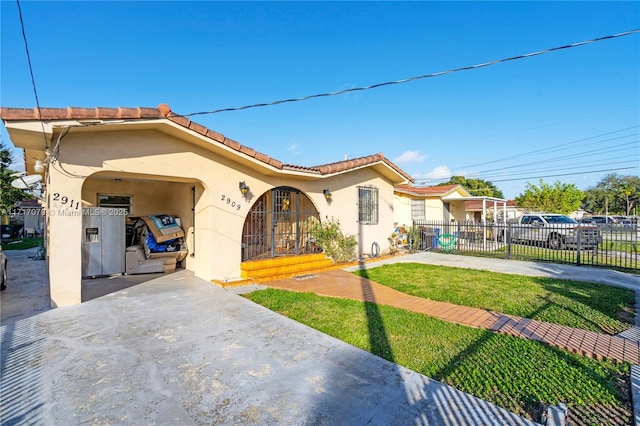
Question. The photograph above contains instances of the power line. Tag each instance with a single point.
(410, 79)
(560, 168)
(567, 174)
(33, 80)
(566, 158)
(551, 148)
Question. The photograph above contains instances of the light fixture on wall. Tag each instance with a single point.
(327, 194)
(38, 167)
(244, 189)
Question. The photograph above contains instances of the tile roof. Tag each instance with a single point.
(426, 190)
(163, 111)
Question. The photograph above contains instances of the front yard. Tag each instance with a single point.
(519, 375)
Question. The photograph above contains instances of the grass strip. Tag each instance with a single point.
(588, 306)
(25, 243)
(519, 375)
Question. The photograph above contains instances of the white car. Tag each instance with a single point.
(3, 270)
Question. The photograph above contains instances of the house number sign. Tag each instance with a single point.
(64, 200)
(230, 202)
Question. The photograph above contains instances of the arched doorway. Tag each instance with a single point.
(278, 225)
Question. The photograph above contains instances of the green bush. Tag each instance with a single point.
(336, 245)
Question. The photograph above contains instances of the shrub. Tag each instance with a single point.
(336, 245)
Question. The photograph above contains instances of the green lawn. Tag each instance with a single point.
(588, 306)
(614, 255)
(23, 244)
(517, 374)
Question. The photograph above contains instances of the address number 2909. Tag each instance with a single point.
(230, 202)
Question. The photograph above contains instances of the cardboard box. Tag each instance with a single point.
(163, 227)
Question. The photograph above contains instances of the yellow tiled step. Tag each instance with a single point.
(252, 265)
(288, 270)
(292, 269)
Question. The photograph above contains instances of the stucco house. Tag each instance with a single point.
(443, 203)
(234, 204)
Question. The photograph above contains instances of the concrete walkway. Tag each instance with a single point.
(178, 350)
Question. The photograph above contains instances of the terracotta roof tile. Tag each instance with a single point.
(106, 113)
(183, 121)
(80, 113)
(199, 128)
(248, 151)
(10, 114)
(275, 163)
(426, 190)
(215, 136)
(164, 111)
(262, 157)
(51, 113)
(232, 144)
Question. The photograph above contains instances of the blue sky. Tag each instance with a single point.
(573, 112)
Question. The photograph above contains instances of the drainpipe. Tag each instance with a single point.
(193, 220)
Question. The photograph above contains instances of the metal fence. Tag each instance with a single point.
(607, 246)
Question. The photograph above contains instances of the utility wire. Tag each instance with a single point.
(566, 158)
(559, 168)
(33, 80)
(550, 148)
(407, 80)
(565, 174)
(424, 181)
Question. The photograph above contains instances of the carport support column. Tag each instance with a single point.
(64, 249)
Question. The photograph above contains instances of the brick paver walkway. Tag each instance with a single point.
(339, 283)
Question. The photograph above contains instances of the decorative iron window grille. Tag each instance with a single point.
(368, 205)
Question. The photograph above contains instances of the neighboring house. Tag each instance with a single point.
(429, 203)
(508, 208)
(234, 204)
(30, 215)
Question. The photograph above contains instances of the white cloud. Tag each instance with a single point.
(438, 173)
(292, 147)
(410, 157)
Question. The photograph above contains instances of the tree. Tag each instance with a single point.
(613, 194)
(561, 198)
(476, 187)
(9, 195)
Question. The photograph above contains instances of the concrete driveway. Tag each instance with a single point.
(178, 350)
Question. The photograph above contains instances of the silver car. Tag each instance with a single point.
(3, 270)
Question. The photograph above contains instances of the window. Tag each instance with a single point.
(116, 201)
(368, 205)
(417, 210)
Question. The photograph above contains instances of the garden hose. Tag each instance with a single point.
(375, 249)
(447, 241)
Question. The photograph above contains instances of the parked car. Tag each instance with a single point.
(3, 270)
(557, 231)
(10, 232)
(598, 220)
(623, 221)
(608, 221)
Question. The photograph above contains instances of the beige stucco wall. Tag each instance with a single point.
(159, 170)
(457, 210)
(402, 209)
(434, 209)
